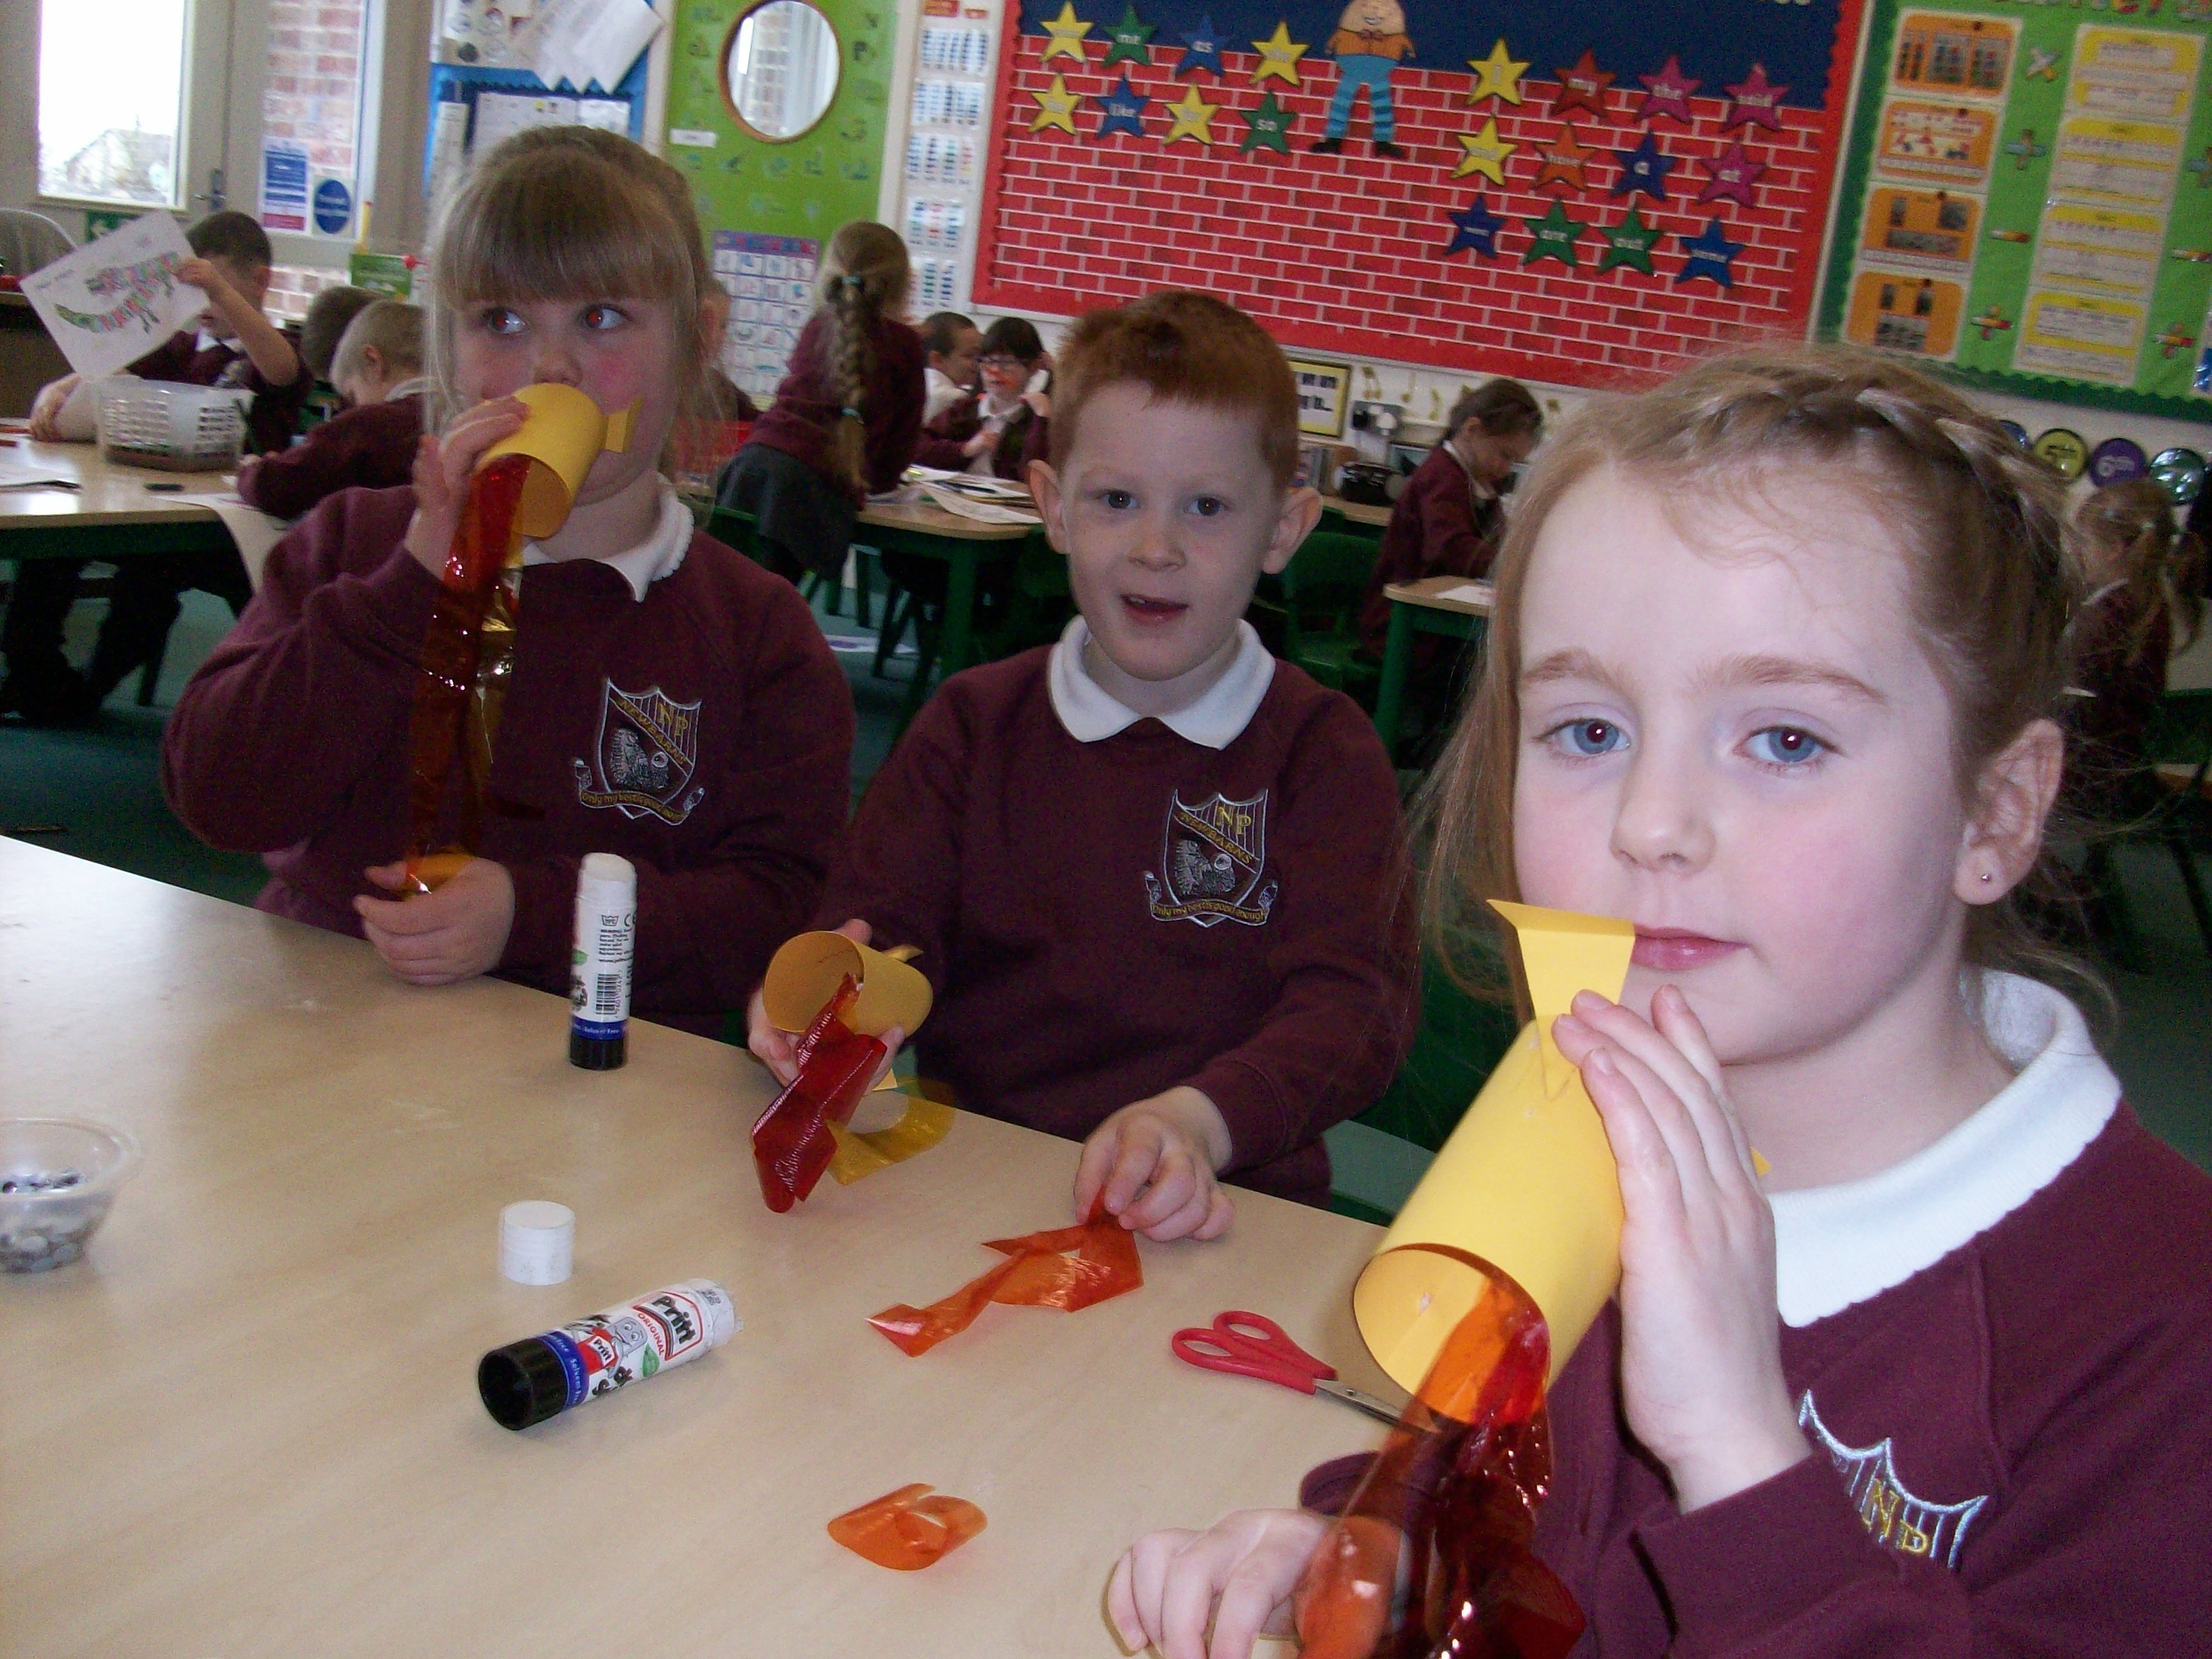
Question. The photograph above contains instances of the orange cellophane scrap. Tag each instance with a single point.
(906, 1530)
(1069, 1268)
(1455, 1490)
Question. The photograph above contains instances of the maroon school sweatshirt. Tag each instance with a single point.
(807, 405)
(1444, 524)
(192, 358)
(2002, 1351)
(371, 447)
(1103, 919)
(702, 731)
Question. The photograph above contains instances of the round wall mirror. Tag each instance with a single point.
(780, 71)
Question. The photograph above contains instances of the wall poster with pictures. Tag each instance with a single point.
(2028, 198)
(1324, 394)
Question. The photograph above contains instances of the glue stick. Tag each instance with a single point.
(541, 1377)
(599, 980)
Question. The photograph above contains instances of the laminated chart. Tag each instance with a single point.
(2029, 198)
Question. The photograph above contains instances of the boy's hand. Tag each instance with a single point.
(1701, 1345)
(436, 939)
(1040, 403)
(985, 442)
(46, 408)
(778, 1050)
(442, 478)
(1167, 1584)
(205, 276)
(1154, 1162)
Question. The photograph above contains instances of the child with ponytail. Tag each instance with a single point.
(847, 417)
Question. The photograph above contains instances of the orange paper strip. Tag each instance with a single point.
(1069, 1268)
(906, 1530)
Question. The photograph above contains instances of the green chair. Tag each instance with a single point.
(734, 527)
(2177, 814)
(1323, 588)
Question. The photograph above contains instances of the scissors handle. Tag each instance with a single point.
(1250, 1344)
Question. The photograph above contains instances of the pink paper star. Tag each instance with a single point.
(1667, 93)
(1756, 101)
(1733, 173)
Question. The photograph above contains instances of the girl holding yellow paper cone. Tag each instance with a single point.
(669, 701)
(1776, 656)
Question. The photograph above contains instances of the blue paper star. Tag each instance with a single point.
(1202, 49)
(1125, 110)
(1476, 228)
(1709, 253)
(1646, 169)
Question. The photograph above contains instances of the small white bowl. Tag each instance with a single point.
(58, 1177)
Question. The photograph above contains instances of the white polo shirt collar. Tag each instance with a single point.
(1090, 712)
(657, 555)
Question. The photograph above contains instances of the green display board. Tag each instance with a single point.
(805, 186)
(2028, 197)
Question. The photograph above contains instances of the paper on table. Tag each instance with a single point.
(1468, 593)
(113, 301)
(982, 512)
(254, 530)
(18, 478)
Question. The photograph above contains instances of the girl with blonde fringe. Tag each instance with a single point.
(1774, 672)
(672, 701)
(848, 416)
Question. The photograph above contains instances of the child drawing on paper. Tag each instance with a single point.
(1369, 40)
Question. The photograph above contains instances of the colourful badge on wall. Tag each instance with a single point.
(1644, 169)
(1064, 34)
(1124, 110)
(2115, 460)
(1484, 153)
(1498, 76)
(1055, 108)
(1201, 49)
(1581, 86)
(1278, 57)
(1628, 245)
(1129, 41)
(1709, 253)
(1667, 93)
(1555, 235)
(2180, 473)
(1192, 118)
(1754, 101)
(1564, 161)
(1734, 172)
(1475, 230)
(1266, 127)
(2063, 451)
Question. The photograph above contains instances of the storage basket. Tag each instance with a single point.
(175, 428)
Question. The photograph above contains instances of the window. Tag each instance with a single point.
(111, 100)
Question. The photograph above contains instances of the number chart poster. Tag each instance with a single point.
(1581, 195)
(2029, 198)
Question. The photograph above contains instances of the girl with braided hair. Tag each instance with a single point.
(845, 418)
(1777, 656)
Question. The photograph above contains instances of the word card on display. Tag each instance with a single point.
(955, 70)
(770, 283)
(2029, 198)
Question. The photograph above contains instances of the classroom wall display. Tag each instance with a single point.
(767, 204)
(2028, 198)
(1578, 195)
(955, 67)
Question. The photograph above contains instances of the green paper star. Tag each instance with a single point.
(1127, 40)
(1267, 127)
(1629, 243)
(1554, 236)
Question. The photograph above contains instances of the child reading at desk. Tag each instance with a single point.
(1154, 873)
(369, 445)
(1777, 656)
(671, 700)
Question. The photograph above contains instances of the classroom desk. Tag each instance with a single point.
(965, 545)
(1368, 517)
(113, 515)
(246, 1422)
(1417, 608)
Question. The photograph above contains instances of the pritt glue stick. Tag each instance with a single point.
(541, 1377)
(598, 978)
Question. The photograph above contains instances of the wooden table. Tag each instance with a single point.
(112, 516)
(246, 1422)
(1418, 607)
(963, 545)
(1358, 513)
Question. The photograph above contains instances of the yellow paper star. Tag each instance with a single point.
(1278, 57)
(1055, 108)
(1486, 154)
(1066, 31)
(1194, 118)
(1496, 77)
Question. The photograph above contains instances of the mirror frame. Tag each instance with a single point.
(729, 99)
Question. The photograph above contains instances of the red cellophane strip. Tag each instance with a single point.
(908, 1530)
(1069, 1268)
(1456, 1490)
(792, 1142)
(465, 657)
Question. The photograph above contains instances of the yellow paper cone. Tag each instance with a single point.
(1526, 1183)
(564, 434)
(805, 973)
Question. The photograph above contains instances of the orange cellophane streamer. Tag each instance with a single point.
(906, 1530)
(1069, 1268)
(1454, 1493)
(791, 1140)
(467, 656)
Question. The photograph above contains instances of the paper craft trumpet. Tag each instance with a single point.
(521, 490)
(845, 997)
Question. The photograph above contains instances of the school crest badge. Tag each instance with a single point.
(1910, 1525)
(1212, 856)
(647, 750)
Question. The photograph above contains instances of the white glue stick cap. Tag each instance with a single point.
(537, 1241)
(607, 874)
(722, 1320)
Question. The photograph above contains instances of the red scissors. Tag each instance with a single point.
(1252, 1345)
